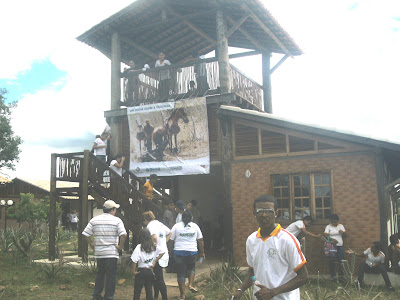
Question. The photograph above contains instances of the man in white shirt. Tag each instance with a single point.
(106, 229)
(117, 164)
(274, 257)
(164, 75)
(298, 228)
(374, 263)
(160, 234)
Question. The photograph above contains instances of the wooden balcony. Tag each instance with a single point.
(198, 78)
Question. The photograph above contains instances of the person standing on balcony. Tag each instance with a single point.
(99, 146)
(164, 75)
(131, 84)
(106, 229)
(100, 151)
(200, 69)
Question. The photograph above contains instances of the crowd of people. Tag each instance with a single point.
(277, 265)
(161, 244)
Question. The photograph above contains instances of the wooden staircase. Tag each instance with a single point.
(96, 179)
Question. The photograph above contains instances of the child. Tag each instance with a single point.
(374, 263)
(145, 257)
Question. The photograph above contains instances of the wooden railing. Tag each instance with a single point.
(246, 87)
(69, 166)
(180, 81)
(126, 190)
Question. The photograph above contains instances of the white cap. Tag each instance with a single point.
(110, 204)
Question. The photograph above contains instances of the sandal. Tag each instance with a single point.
(193, 289)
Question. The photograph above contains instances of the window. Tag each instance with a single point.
(300, 195)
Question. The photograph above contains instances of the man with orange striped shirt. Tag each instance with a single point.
(274, 257)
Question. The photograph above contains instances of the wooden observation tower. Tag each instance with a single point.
(183, 30)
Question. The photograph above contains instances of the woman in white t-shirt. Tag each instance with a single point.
(117, 164)
(188, 243)
(145, 257)
(335, 232)
(99, 146)
(373, 264)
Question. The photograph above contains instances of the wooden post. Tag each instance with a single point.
(226, 160)
(83, 206)
(115, 89)
(382, 201)
(115, 70)
(266, 66)
(222, 53)
(53, 205)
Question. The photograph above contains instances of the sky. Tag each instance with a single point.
(347, 79)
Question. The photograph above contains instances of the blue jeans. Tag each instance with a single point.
(336, 260)
(106, 276)
(185, 265)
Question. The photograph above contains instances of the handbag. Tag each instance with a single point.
(330, 249)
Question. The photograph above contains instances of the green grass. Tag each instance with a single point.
(20, 279)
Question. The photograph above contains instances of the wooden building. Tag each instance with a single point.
(252, 152)
(11, 190)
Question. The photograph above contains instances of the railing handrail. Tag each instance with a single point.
(244, 75)
(122, 180)
(174, 66)
(68, 155)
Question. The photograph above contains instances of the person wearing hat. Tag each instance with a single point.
(180, 208)
(106, 229)
(148, 186)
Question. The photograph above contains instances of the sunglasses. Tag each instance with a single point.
(261, 211)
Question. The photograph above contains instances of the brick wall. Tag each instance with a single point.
(355, 200)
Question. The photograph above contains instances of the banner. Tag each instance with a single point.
(169, 138)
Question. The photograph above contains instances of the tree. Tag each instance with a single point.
(33, 212)
(9, 142)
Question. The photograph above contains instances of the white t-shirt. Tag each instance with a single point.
(115, 168)
(161, 231)
(296, 227)
(100, 151)
(372, 259)
(164, 74)
(334, 233)
(144, 259)
(186, 237)
(178, 218)
(73, 218)
(275, 260)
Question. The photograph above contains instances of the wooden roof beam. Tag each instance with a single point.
(192, 26)
(165, 22)
(144, 50)
(279, 63)
(237, 25)
(266, 29)
(247, 35)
